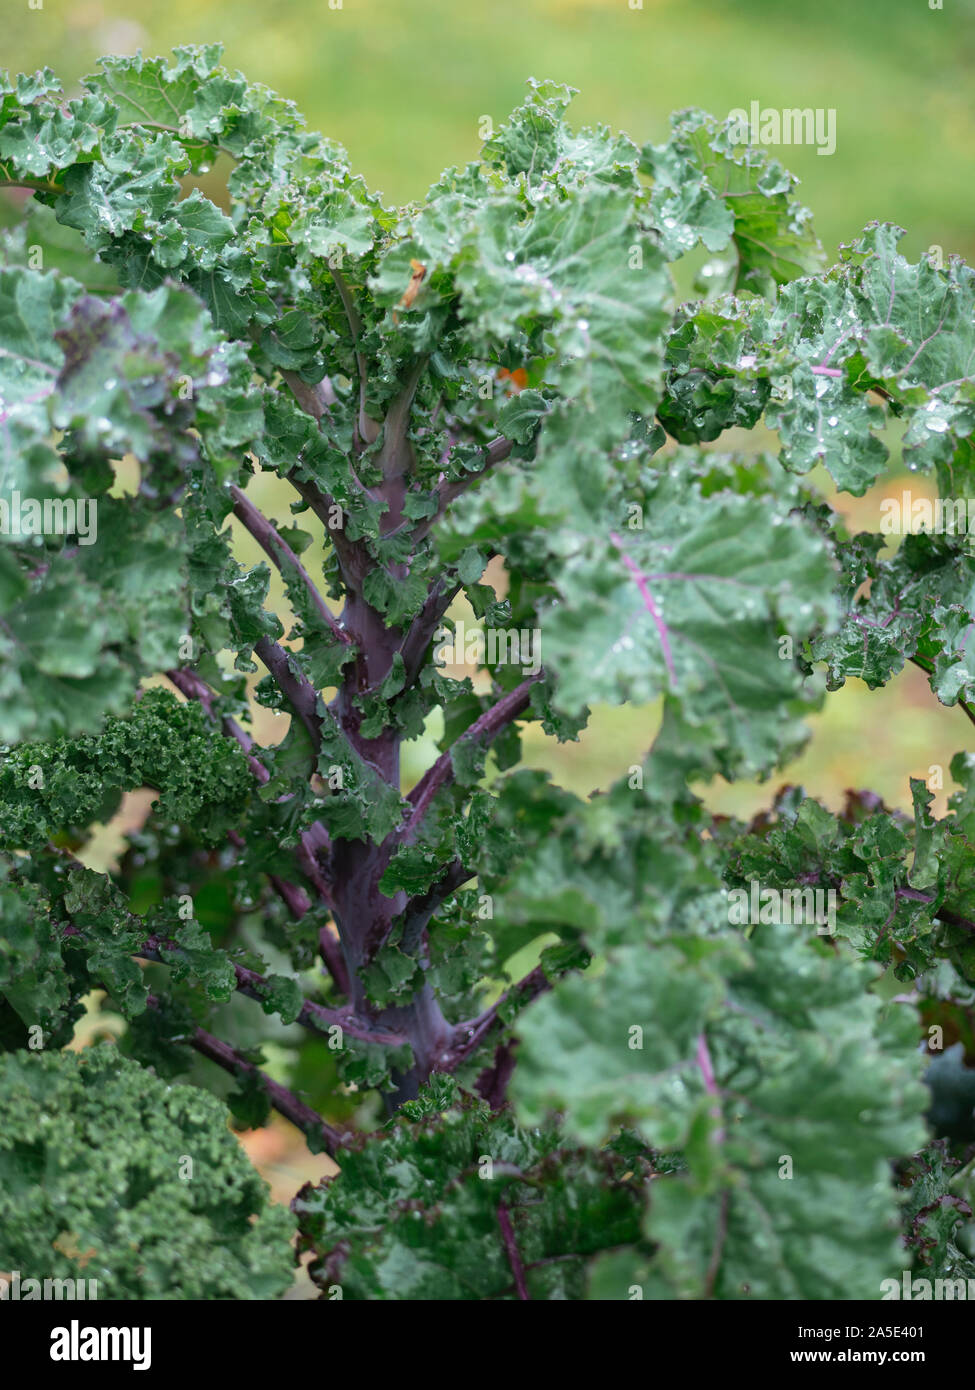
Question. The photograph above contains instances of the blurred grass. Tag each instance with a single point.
(404, 85)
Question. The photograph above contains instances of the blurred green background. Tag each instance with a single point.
(404, 84)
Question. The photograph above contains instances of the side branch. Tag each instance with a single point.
(424, 625)
(283, 557)
(317, 1018)
(314, 400)
(419, 910)
(483, 730)
(494, 453)
(8, 180)
(368, 429)
(296, 688)
(512, 1252)
(285, 1102)
(928, 670)
(322, 506)
(471, 1035)
(313, 840)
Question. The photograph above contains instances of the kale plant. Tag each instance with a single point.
(482, 420)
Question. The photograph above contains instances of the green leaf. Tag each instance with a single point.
(414, 1212)
(190, 1216)
(709, 188)
(693, 605)
(797, 1092)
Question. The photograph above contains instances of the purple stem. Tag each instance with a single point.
(648, 603)
(295, 898)
(473, 1033)
(296, 688)
(487, 727)
(283, 556)
(496, 452)
(512, 1251)
(710, 1085)
(284, 1101)
(492, 1083)
(316, 1017)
